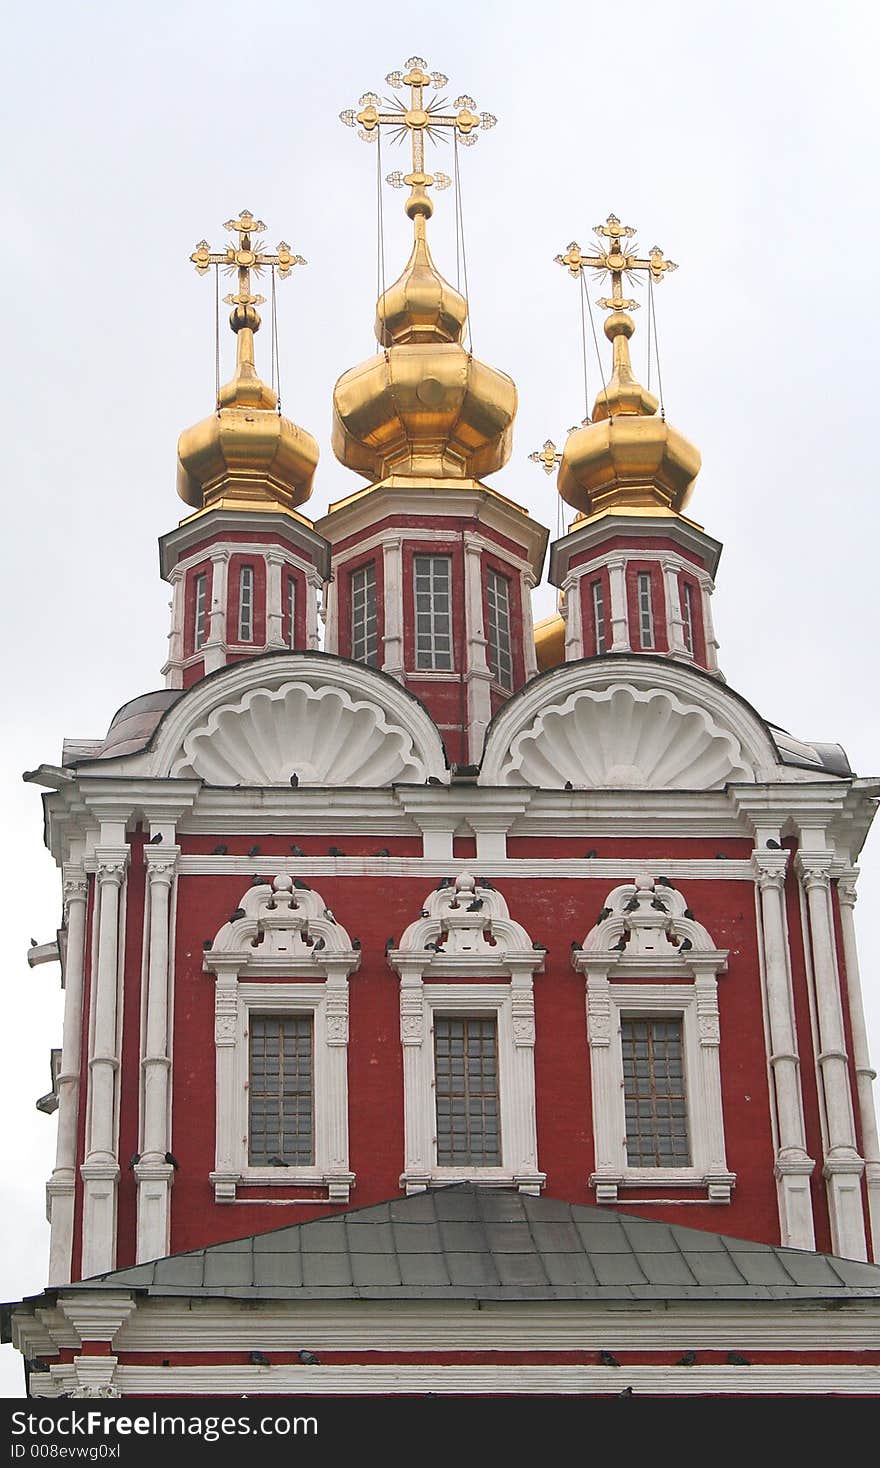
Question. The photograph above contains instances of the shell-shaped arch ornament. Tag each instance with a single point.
(307, 721)
(646, 728)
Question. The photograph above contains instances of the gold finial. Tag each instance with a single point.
(248, 256)
(548, 456)
(420, 119)
(616, 260)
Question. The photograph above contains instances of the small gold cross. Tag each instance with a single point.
(245, 257)
(617, 259)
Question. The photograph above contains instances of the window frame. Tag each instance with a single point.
(600, 636)
(365, 569)
(291, 612)
(466, 1020)
(436, 619)
(635, 1096)
(494, 649)
(200, 610)
(686, 598)
(645, 609)
(281, 1020)
(246, 603)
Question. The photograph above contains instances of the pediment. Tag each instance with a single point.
(325, 720)
(630, 724)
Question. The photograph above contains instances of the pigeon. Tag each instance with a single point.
(257, 1358)
(605, 913)
(540, 948)
(133, 1160)
(294, 780)
(631, 905)
(658, 905)
(334, 851)
(433, 780)
(220, 850)
(296, 850)
(208, 944)
(721, 856)
(257, 880)
(308, 1358)
(568, 785)
(277, 1162)
(319, 944)
(607, 1359)
(356, 943)
(433, 948)
(735, 1359)
(475, 905)
(574, 945)
(300, 885)
(588, 855)
(171, 1160)
(383, 851)
(687, 1359)
(424, 912)
(688, 914)
(664, 882)
(619, 946)
(685, 945)
(34, 943)
(254, 851)
(239, 913)
(389, 944)
(628, 1391)
(157, 839)
(444, 882)
(774, 845)
(328, 915)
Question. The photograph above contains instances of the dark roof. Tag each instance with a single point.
(465, 1242)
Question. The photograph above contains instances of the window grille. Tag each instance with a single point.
(599, 617)
(646, 611)
(687, 613)
(433, 575)
(466, 1074)
(246, 604)
(364, 616)
(201, 628)
(654, 1093)
(498, 600)
(291, 611)
(280, 1091)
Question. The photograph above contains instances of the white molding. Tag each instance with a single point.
(865, 1073)
(154, 1176)
(284, 932)
(638, 940)
(782, 1379)
(61, 1187)
(468, 944)
(513, 868)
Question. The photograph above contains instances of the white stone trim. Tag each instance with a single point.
(782, 1379)
(865, 1073)
(440, 865)
(461, 948)
(392, 590)
(154, 1176)
(60, 1189)
(295, 939)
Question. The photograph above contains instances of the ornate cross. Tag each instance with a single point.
(419, 119)
(246, 257)
(548, 456)
(615, 257)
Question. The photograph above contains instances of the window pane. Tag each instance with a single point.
(646, 611)
(599, 617)
(280, 1091)
(498, 602)
(291, 611)
(432, 579)
(687, 613)
(466, 1075)
(364, 618)
(655, 1102)
(201, 636)
(246, 604)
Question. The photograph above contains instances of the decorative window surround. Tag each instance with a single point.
(466, 932)
(285, 933)
(636, 943)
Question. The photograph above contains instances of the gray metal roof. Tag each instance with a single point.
(465, 1242)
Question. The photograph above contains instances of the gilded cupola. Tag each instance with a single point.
(423, 406)
(626, 457)
(246, 455)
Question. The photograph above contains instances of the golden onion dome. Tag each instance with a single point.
(246, 455)
(424, 406)
(627, 457)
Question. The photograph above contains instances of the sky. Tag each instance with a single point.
(740, 137)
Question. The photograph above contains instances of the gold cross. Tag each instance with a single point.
(548, 456)
(245, 257)
(615, 257)
(420, 119)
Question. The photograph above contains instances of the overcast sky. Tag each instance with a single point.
(740, 137)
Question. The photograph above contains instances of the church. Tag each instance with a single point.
(454, 1005)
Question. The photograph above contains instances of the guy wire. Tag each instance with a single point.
(217, 337)
(595, 339)
(656, 350)
(460, 221)
(380, 218)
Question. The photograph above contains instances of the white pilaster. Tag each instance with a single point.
(418, 1104)
(392, 637)
(530, 653)
(843, 1166)
(173, 668)
(865, 1075)
(793, 1166)
(332, 1115)
(314, 586)
(601, 1032)
(60, 1188)
(215, 645)
(100, 1170)
(227, 1167)
(153, 1174)
(678, 647)
(274, 609)
(477, 675)
(707, 586)
(573, 611)
(619, 614)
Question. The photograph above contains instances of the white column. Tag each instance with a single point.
(418, 1103)
(274, 610)
(793, 1166)
(477, 675)
(843, 1165)
(601, 1031)
(100, 1170)
(719, 1181)
(678, 647)
(331, 613)
(865, 1075)
(60, 1189)
(334, 1095)
(153, 1174)
(227, 1044)
(530, 652)
(707, 586)
(521, 1145)
(313, 591)
(619, 614)
(215, 644)
(573, 611)
(392, 637)
(173, 668)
